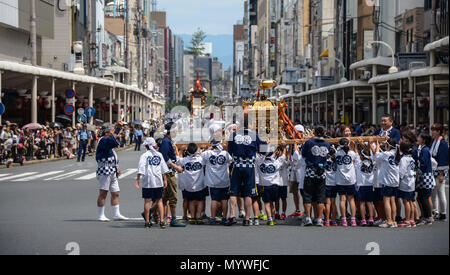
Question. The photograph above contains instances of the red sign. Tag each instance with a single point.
(69, 109)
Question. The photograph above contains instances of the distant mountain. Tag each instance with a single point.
(222, 47)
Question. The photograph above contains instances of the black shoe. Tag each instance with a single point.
(231, 221)
(148, 225)
(246, 223)
(442, 217)
(162, 225)
(398, 219)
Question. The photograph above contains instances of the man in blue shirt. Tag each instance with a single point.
(243, 148)
(315, 152)
(387, 129)
(83, 137)
(167, 149)
(138, 138)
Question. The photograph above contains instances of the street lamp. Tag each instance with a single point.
(392, 69)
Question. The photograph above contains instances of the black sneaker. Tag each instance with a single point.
(246, 223)
(231, 221)
(148, 225)
(398, 219)
(442, 217)
(162, 225)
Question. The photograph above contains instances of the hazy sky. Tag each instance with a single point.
(212, 16)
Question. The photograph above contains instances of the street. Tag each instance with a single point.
(45, 207)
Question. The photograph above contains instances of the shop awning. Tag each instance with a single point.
(379, 61)
(324, 54)
(339, 86)
(438, 70)
(46, 72)
(439, 45)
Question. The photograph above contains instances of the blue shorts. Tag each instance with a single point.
(152, 193)
(346, 190)
(378, 194)
(389, 191)
(409, 196)
(195, 196)
(426, 192)
(259, 191)
(270, 193)
(282, 192)
(243, 182)
(331, 192)
(365, 194)
(219, 194)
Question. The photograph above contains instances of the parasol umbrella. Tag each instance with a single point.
(107, 125)
(56, 125)
(63, 117)
(137, 122)
(98, 122)
(32, 126)
(90, 127)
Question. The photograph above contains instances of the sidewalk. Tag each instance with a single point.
(59, 159)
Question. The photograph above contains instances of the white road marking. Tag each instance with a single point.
(18, 176)
(127, 173)
(88, 176)
(39, 176)
(68, 175)
(4, 175)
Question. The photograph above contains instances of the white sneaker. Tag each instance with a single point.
(242, 214)
(103, 219)
(256, 221)
(119, 217)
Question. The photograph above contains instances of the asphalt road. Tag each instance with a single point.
(50, 208)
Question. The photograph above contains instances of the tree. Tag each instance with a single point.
(197, 47)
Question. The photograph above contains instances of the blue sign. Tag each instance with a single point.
(90, 112)
(82, 118)
(70, 93)
(2, 109)
(69, 109)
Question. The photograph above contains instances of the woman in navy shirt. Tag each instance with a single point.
(439, 151)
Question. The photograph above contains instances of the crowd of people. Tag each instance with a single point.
(53, 140)
(397, 181)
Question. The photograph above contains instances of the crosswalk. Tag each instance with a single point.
(58, 175)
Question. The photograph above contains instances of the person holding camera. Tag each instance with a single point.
(108, 172)
(315, 153)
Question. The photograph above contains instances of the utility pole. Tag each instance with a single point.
(376, 22)
(433, 21)
(127, 38)
(33, 32)
(315, 40)
(88, 35)
(33, 60)
(337, 33)
(139, 48)
(344, 37)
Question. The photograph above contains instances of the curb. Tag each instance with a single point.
(31, 162)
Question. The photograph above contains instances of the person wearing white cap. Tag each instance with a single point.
(299, 128)
(153, 170)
